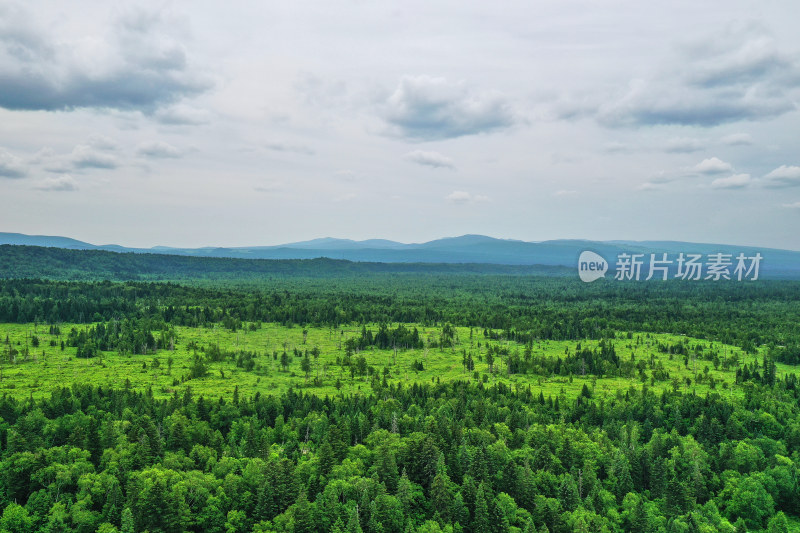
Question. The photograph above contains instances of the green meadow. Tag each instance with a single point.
(252, 359)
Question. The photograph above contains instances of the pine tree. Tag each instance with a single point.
(459, 512)
(568, 493)
(326, 458)
(373, 526)
(497, 518)
(353, 523)
(441, 498)
(127, 525)
(405, 492)
(338, 526)
(387, 469)
(303, 515)
(530, 527)
(480, 521)
(677, 497)
(778, 523)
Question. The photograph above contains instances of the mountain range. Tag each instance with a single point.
(776, 263)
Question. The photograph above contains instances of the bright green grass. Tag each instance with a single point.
(48, 367)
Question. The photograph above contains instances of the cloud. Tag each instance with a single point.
(102, 142)
(323, 92)
(428, 108)
(650, 186)
(783, 176)
(737, 181)
(135, 65)
(430, 159)
(274, 186)
(713, 166)
(617, 148)
(43, 154)
(182, 115)
(291, 148)
(795, 205)
(739, 74)
(60, 183)
(737, 139)
(11, 166)
(463, 197)
(158, 150)
(683, 145)
(458, 197)
(87, 156)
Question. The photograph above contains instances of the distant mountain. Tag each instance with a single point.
(44, 240)
(464, 249)
(19, 261)
(328, 243)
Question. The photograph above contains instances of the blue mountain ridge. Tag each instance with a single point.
(464, 249)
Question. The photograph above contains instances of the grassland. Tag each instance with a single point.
(48, 366)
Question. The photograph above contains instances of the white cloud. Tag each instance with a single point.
(86, 156)
(158, 150)
(663, 177)
(11, 166)
(182, 115)
(140, 64)
(650, 186)
(713, 165)
(101, 142)
(60, 184)
(737, 181)
(274, 186)
(42, 155)
(734, 75)
(463, 197)
(783, 176)
(426, 108)
(737, 139)
(795, 205)
(291, 148)
(246, 144)
(430, 159)
(458, 197)
(683, 145)
(617, 148)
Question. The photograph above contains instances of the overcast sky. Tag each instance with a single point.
(253, 123)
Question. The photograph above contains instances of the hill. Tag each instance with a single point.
(60, 263)
(479, 249)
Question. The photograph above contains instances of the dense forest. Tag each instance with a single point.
(425, 458)
(440, 456)
(540, 307)
(60, 263)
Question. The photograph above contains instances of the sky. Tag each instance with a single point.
(257, 123)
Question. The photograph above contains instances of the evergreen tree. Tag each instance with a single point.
(480, 521)
(303, 515)
(568, 493)
(353, 523)
(497, 518)
(387, 469)
(128, 525)
(441, 498)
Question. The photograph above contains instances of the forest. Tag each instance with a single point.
(415, 398)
